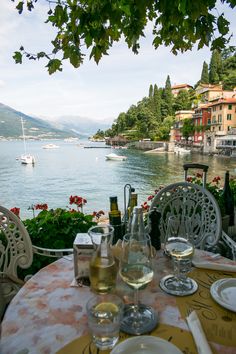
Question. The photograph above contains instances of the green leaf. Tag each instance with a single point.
(54, 65)
(17, 57)
(19, 7)
(223, 25)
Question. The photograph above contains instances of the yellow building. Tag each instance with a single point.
(209, 92)
(223, 115)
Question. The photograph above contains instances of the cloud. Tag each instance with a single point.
(97, 91)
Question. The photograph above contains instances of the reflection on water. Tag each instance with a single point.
(72, 170)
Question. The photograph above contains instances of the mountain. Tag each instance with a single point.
(80, 125)
(35, 128)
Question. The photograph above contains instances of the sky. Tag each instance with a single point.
(94, 91)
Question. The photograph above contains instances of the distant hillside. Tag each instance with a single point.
(10, 126)
(81, 125)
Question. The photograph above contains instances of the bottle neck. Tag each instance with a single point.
(137, 225)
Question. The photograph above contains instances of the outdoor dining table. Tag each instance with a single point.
(49, 312)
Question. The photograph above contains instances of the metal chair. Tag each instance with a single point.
(16, 251)
(192, 200)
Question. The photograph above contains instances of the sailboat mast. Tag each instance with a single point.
(23, 132)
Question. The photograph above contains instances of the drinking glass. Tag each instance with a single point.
(136, 270)
(179, 247)
(104, 317)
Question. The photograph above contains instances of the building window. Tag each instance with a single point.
(214, 119)
(230, 107)
(220, 107)
(229, 116)
(200, 121)
(214, 108)
(219, 118)
(219, 128)
(209, 121)
(229, 128)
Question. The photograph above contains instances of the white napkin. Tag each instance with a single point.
(208, 260)
(195, 327)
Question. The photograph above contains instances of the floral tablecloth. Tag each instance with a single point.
(47, 313)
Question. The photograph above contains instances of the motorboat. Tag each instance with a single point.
(115, 157)
(26, 159)
(181, 150)
(50, 146)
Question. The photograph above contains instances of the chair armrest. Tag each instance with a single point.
(230, 243)
(48, 252)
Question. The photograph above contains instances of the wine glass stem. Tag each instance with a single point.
(136, 314)
(177, 268)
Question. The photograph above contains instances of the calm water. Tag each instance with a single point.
(72, 170)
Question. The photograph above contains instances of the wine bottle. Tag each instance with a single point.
(115, 220)
(133, 203)
(137, 225)
(154, 217)
(228, 200)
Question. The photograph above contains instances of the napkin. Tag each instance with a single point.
(195, 327)
(208, 260)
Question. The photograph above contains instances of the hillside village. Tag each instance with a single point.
(213, 120)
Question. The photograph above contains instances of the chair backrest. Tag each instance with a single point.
(192, 200)
(15, 250)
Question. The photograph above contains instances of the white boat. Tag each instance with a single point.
(181, 150)
(115, 157)
(26, 159)
(50, 146)
(71, 140)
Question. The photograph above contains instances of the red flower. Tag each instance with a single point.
(216, 179)
(41, 207)
(16, 211)
(79, 201)
(189, 179)
(199, 175)
(150, 197)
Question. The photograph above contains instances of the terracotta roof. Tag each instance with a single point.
(180, 86)
(224, 101)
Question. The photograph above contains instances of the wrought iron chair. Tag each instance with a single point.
(192, 200)
(16, 251)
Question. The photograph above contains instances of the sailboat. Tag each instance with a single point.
(26, 158)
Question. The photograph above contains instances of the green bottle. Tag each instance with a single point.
(115, 220)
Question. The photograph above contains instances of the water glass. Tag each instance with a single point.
(105, 313)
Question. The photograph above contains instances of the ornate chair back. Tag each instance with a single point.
(192, 200)
(15, 251)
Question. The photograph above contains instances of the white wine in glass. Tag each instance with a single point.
(136, 270)
(181, 251)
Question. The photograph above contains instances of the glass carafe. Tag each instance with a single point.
(102, 268)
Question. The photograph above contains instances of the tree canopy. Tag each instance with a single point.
(92, 26)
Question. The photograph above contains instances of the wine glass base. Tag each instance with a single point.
(174, 287)
(146, 322)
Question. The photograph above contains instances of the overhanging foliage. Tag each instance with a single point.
(97, 24)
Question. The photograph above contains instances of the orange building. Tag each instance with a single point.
(223, 115)
(176, 88)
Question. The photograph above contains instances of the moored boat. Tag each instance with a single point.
(50, 146)
(115, 157)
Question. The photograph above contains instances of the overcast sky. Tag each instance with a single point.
(99, 92)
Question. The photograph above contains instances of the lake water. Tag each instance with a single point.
(72, 170)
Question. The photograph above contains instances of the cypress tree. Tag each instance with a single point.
(150, 91)
(213, 71)
(167, 99)
(157, 103)
(205, 75)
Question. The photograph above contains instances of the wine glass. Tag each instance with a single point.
(179, 247)
(136, 270)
